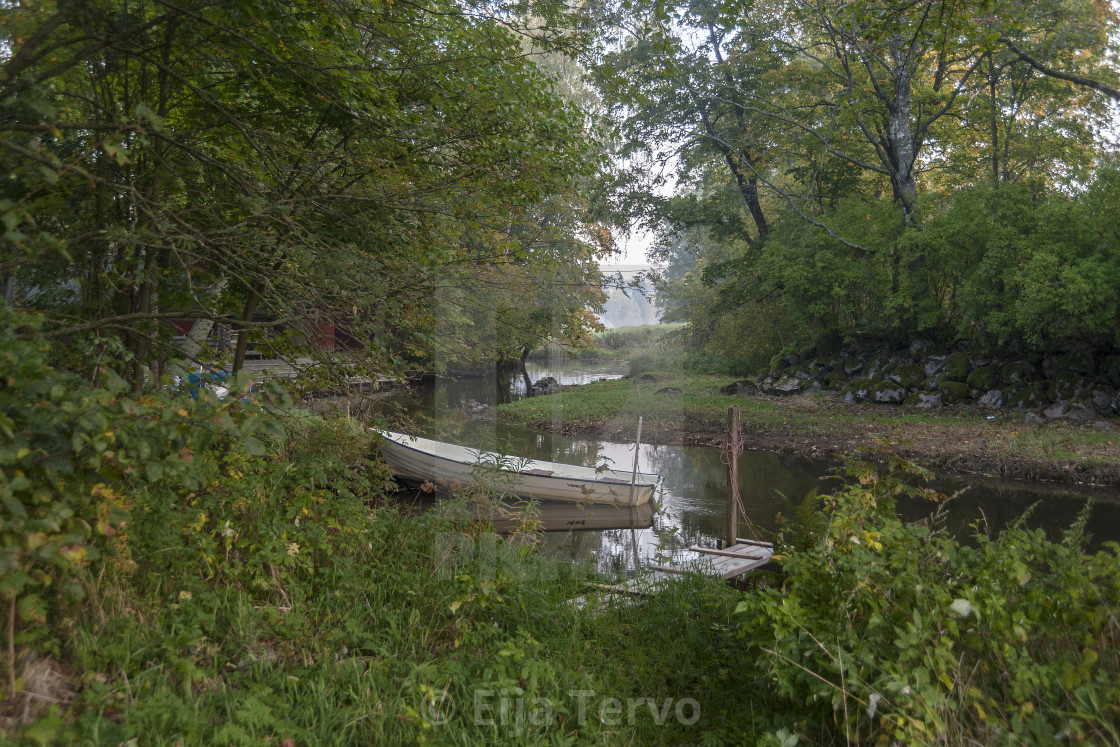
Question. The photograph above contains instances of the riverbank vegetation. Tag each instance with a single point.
(376, 187)
(692, 409)
(227, 573)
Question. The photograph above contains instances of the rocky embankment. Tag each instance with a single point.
(1074, 382)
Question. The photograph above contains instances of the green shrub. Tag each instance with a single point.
(886, 632)
(78, 462)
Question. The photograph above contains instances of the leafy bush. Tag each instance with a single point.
(890, 632)
(997, 264)
(77, 461)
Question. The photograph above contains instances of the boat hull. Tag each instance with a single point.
(450, 465)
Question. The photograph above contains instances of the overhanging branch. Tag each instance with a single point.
(1079, 80)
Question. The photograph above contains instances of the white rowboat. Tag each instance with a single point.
(450, 464)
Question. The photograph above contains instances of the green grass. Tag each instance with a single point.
(279, 599)
(287, 604)
(369, 666)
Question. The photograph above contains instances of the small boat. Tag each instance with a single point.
(447, 464)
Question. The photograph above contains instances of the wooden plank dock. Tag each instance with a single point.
(743, 557)
(737, 557)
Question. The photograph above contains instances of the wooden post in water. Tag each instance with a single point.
(637, 447)
(731, 535)
(633, 480)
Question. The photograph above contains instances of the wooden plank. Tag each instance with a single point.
(744, 567)
(742, 541)
(729, 552)
(712, 565)
(670, 569)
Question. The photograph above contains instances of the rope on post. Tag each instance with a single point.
(733, 448)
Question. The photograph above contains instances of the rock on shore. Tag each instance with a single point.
(1072, 382)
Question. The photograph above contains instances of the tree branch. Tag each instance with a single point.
(1112, 93)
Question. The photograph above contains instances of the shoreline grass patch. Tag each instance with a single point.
(822, 424)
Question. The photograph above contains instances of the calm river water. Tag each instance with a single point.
(692, 503)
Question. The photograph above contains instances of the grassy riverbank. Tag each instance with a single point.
(189, 571)
(822, 424)
(270, 592)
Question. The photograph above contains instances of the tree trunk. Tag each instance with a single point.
(142, 348)
(243, 333)
(993, 119)
(901, 130)
(147, 286)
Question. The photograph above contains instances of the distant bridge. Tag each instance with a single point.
(624, 269)
(627, 271)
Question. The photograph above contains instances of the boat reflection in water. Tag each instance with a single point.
(551, 516)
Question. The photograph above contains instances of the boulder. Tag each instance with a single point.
(476, 410)
(984, 377)
(877, 367)
(1049, 366)
(853, 367)
(835, 378)
(801, 372)
(859, 388)
(1032, 418)
(909, 376)
(933, 365)
(957, 367)
(814, 388)
(918, 348)
(745, 386)
(927, 401)
(1056, 411)
(1102, 425)
(1019, 372)
(548, 385)
(953, 391)
(850, 398)
(888, 392)
(992, 399)
(1078, 361)
(1081, 413)
(1109, 370)
(789, 385)
(1027, 397)
(1100, 398)
(1066, 385)
(669, 390)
